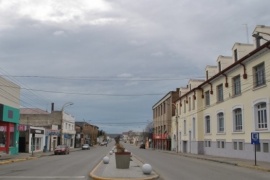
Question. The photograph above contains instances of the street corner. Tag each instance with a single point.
(93, 175)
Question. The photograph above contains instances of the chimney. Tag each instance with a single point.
(52, 107)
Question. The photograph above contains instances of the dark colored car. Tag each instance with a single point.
(142, 146)
(61, 149)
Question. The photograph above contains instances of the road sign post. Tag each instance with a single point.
(255, 139)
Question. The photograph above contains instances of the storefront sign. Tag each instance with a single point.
(53, 132)
(22, 127)
(37, 131)
(67, 136)
(4, 128)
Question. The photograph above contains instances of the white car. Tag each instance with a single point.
(85, 146)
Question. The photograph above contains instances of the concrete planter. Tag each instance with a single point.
(122, 160)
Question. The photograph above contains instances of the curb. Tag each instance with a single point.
(254, 167)
(30, 157)
(225, 162)
(16, 160)
(95, 177)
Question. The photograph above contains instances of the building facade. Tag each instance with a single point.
(163, 111)
(218, 115)
(59, 127)
(9, 116)
(86, 133)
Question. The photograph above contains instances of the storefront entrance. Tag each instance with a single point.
(7, 137)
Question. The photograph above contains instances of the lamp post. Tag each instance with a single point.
(62, 119)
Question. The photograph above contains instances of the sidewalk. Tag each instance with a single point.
(7, 159)
(263, 166)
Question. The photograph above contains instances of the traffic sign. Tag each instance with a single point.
(255, 138)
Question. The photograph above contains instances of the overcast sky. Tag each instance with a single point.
(114, 59)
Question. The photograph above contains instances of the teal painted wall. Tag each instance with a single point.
(10, 114)
(15, 149)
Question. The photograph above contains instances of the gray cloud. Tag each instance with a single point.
(115, 59)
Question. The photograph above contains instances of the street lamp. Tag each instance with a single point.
(62, 119)
(66, 104)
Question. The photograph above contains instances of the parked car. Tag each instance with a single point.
(103, 143)
(85, 146)
(61, 149)
(142, 146)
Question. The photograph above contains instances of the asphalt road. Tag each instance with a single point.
(76, 165)
(174, 167)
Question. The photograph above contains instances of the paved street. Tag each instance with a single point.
(169, 166)
(172, 167)
(76, 165)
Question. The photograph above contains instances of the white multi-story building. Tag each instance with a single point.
(218, 115)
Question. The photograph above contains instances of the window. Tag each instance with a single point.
(164, 107)
(258, 147)
(185, 127)
(37, 144)
(10, 114)
(259, 75)
(236, 85)
(189, 103)
(220, 93)
(207, 98)
(241, 145)
(184, 106)
(220, 119)
(164, 127)
(261, 117)
(221, 144)
(3, 134)
(238, 145)
(265, 147)
(237, 117)
(207, 124)
(207, 143)
(194, 127)
(193, 103)
(235, 145)
(235, 55)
